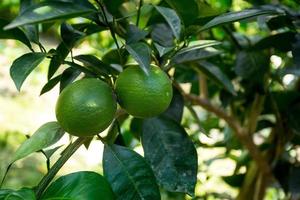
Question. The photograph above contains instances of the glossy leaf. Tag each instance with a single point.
(237, 16)
(194, 54)
(15, 34)
(162, 50)
(134, 34)
(49, 11)
(50, 84)
(216, 75)
(171, 154)
(67, 77)
(160, 34)
(79, 186)
(141, 53)
(45, 136)
(172, 19)
(22, 194)
(129, 174)
(23, 66)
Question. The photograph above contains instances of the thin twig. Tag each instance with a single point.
(139, 13)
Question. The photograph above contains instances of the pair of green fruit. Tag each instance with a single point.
(88, 106)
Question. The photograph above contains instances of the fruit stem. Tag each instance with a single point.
(67, 153)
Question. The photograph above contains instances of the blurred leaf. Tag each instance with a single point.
(235, 180)
(50, 84)
(67, 77)
(129, 174)
(113, 57)
(194, 54)
(161, 35)
(216, 75)
(293, 116)
(22, 194)
(23, 66)
(136, 127)
(141, 53)
(280, 21)
(237, 16)
(114, 6)
(49, 11)
(172, 19)
(134, 34)
(171, 154)
(79, 186)
(69, 35)
(296, 51)
(281, 41)
(50, 152)
(15, 34)
(251, 64)
(61, 53)
(45, 136)
(187, 10)
(175, 109)
(162, 50)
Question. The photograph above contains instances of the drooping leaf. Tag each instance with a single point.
(171, 154)
(22, 194)
(129, 174)
(49, 11)
(15, 34)
(237, 16)
(160, 34)
(61, 53)
(216, 75)
(50, 84)
(134, 34)
(79, 186)
(23, 66)
(194, 54)
(69, 35)
(45, 136)
(141, 53)
(172, 19)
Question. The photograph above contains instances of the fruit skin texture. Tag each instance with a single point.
(86, 107)
(144, 95)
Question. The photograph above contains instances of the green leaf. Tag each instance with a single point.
(82, 185)
(141, 53)
(162, 50)
(23, 66)
(134, 34)
(194, 54)
(172, 19)
(237, 16)
(175, 109)
(61, 53)
(171, 154)
(49, 11)
(67, 77)
(45, 136)
(235, 180)
(22, 194)
(160, 34)
(129, 174)
(16, 34)
(216, 75)
(50, 84)
(69, 35)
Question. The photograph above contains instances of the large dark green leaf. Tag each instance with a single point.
(194, 54)
(130, 176)
(171, 154)
(49, 11)
(15, 34)
(141, 53)
(22, 194)
(23, 66)
(172, 19)
(216, 75)
(45, 136)
(82, 185)
(237, 16)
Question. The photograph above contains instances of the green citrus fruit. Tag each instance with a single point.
(144, 95)
(86, 107)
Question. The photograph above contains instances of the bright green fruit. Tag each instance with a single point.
(143, 95)
(86, 107)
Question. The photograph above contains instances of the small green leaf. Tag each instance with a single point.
(45, 136)
(216, 75)
(50, 84)
(129, 174)
(69, 35)
(141, 53)
(16, 34)
(67, 77)
(61, 53)
(171, 154)
(172, 19)
(23, 66)
(22, 194)
(235, 180)
(162, 50)
(49, 11)
(237, 16)
(82, 185)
